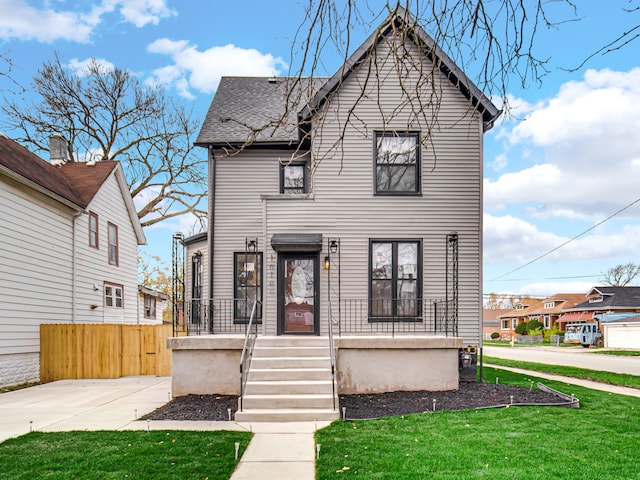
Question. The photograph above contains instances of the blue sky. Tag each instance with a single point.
(567, 159)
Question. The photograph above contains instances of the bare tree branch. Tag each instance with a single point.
(108, 115)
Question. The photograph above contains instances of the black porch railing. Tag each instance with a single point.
(354, 317)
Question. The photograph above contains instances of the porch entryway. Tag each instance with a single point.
(298, 282)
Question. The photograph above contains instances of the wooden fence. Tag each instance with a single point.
(103, 351)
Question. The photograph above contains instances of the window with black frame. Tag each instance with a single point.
(293, 178)
(395, 286)
(196, 289)
(397, 163)
(247, 286)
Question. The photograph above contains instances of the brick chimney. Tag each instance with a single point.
(58, 153)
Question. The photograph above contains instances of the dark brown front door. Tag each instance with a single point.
(298, 294)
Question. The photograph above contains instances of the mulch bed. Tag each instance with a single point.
(470, 395)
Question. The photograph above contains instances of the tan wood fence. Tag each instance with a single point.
(74, 351)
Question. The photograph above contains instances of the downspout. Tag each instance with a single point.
(212, 215)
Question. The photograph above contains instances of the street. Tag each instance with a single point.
(569, 356)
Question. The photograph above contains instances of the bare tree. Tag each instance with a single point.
(621, 275)
(107, 114)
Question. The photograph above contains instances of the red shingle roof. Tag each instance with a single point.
(75, 182)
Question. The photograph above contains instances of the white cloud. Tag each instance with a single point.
(511, 239)
(81, 67)
(546, 289)
(578, 152)
(23, 21)
(201, 70)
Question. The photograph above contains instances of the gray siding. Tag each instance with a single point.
(343, 204)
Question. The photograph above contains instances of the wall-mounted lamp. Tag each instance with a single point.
(251, 245)
(333, 245)
(93, 306)
(96, 287)
(327, 263)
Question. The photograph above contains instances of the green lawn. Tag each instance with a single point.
(122, 455)
(632, 381)
(597, 441)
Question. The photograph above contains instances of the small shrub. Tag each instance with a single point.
(521, 328)
(533, 333)
(535, 325)
(495, 336)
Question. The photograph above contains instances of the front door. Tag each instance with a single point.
(298, 294)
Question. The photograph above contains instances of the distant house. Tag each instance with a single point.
(68, 250)
(553, 308)
(151, 305)
(525, 310)
(337, 207)
(604, 304)
(491, 321)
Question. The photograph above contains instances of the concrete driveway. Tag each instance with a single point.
(65, 405)
(568, 356)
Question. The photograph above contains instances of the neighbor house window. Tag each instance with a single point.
(514, 323)
(93, 230)
(505, 324)
(549, 305)
(547, 321)
(149, 307)
(247, 285)
(397, 163)
(113, 295)
(113, 243)
(394, 280)
(293, 178)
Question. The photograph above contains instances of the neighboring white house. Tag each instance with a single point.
(622, 333)
(68, 250)
(151, 305)
(351, 203)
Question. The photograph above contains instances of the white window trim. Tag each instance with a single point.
(112, 298)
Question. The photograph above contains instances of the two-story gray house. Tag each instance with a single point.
(350, 207)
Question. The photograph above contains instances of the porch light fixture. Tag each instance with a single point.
(251, 245)
(327, 263)
(333, 245)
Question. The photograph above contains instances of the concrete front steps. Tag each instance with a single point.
(289, 381)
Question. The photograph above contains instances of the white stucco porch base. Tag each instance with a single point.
(364, 364)
(376, 364)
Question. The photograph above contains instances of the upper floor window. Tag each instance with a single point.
(112, 231)
(113, 295)
(549, 305)
(595, 299)
(397, 163)
(93, 230)
(519, 307)
(293, 178)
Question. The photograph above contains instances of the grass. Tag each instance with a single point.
(619, 353)
(596, 441)
(122, 455)
(610, 378)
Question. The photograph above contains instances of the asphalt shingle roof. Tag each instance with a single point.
(75, 182)
(255, 108)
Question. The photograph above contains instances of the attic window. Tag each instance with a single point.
(520, 307)
(595, 299)
(549, 305)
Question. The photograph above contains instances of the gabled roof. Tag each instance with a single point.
(28, 168)
(531, 306)
(73, 184)
(612, 298)
(268, 112)
(400, 18)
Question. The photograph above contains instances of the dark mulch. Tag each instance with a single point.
(470, 395)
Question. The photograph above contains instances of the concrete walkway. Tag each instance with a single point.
(277, 450)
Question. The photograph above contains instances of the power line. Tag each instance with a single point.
(568, 241)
